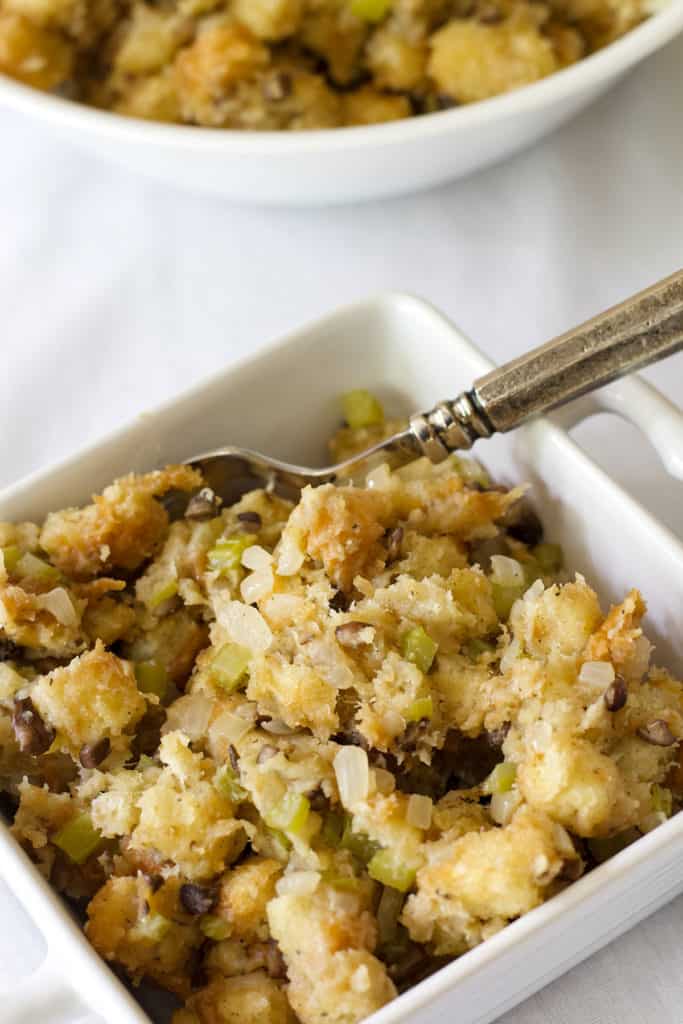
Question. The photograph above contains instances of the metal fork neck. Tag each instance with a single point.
(450, 426)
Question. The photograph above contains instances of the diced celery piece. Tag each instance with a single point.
(385, 868)
(152, 927)
(421, 708)
(475, 647)
(372, 11)
(418, 647)
(11, 556)
(504, 598)
(229, 666)
(361, 409)
(152, 678)
(344, 883)
(501, 779)
(290, 815)
(227, 783)
(164, 592)
(604, 848)
(227, 553)
(471, 471)
(550, 557)
(38, 568)
(78, 839)
(333, 829)
(281, 841)
(662, 800)
(358, 843)
(214, 927)
(388, 912)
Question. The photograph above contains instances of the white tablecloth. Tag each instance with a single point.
(116, 292)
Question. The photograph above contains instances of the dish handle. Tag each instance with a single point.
(46, 996)
(639, 402)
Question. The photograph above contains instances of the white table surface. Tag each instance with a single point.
(116, 292)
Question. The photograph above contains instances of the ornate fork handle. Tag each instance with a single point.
(625, 338)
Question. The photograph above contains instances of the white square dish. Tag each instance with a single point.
(284, 401)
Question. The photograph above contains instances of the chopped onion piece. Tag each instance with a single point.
(189, 714)
(291, 553)
(257, 557)
(419, 813)
(299, 883)
(507, 572)
(504, 805)
(228, 728)
(330, 663)
(257, 585)
(243, 624)
(597, 673)
(278, 727)
(379, 478)
(58, 603)
(353, 775)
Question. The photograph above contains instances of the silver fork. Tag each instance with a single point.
(643, 329)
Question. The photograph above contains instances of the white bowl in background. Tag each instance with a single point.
(284, 400)
(347, 164)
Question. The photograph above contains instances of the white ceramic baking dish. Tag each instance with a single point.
(284, 401)
(349, 164)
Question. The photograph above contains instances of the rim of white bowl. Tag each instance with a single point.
(619, 56)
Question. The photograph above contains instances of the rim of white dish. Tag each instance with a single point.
(620, 55)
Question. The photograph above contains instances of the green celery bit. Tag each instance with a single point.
(471, 471)
(388, 912)
(78, 839)
(229, 666)
(372, 11)
(662, 800)
(290, 815)
(384, 868)
(31, 565)
(475, 647)
(418, 647)
(214, 927)
(227, 783)
(550, 558)
(153, 927)
(358, 843)
(333, 829)
(152, 678)
(361, 409)
(163, 593)
(421, 708)
(281, 840)
(504, 598)
(11, 556)
(604, 848)
(227, 553)
(501, 779)
(344, 883)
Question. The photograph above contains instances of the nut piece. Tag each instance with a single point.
(657, 733)
(349, 634)
(250, 520)
(394, 539)
(198, 899)
(616, 695)
(93, 754)
(203, 505)
(30, 731)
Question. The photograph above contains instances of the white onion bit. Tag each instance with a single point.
(353, 775)
(291, 553)
(597, 673)
(299, 883)
(504, 805)
(419, 813)
(257, 585)
(58, 603)
(507, 572)
(256, 557)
